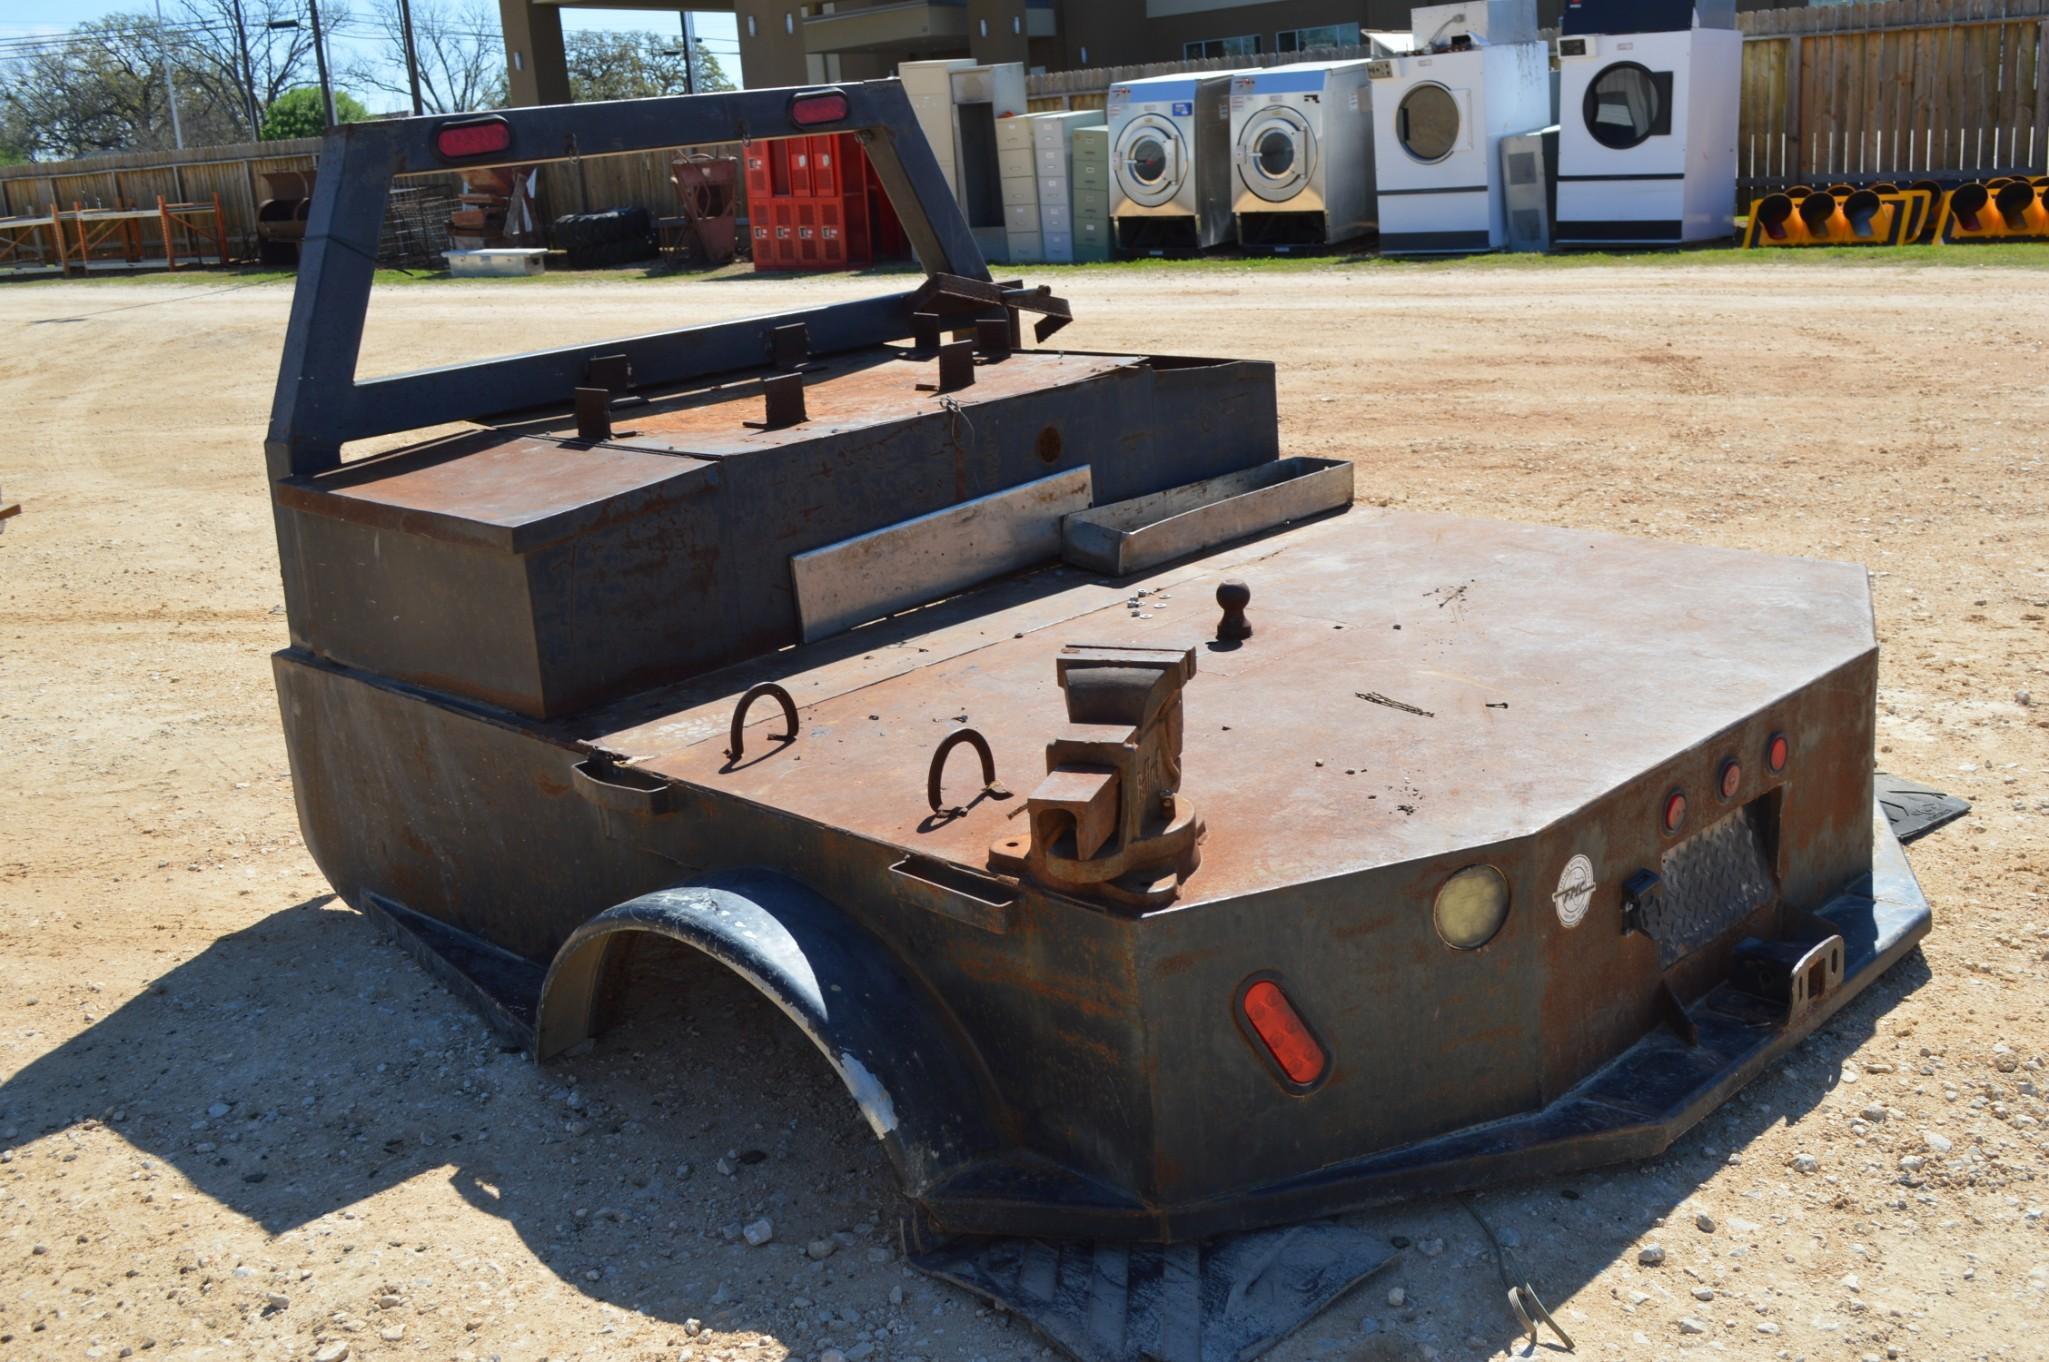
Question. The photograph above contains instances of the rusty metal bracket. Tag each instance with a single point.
(1796, 975)
(993, 338)
(734, 745)
(785, 403)
(937, 771)
(1640, 894)
(593, 415)
(956, 368)
(925, 331)
(979, 294)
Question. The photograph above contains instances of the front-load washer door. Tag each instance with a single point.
(1627, 104)
(1276, 154)
(1433, 121)
(1150, 159)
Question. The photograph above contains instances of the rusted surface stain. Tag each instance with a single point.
(1390, 787)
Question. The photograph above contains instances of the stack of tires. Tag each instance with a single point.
(618, 236)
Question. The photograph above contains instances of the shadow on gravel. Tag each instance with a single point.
(303, 1065)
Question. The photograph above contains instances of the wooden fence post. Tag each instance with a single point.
(1796, 150)
(2041, 147)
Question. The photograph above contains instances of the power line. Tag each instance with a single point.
(21, 44)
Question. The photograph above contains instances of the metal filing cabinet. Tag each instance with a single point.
(1053, 157)
(1089, 164)
(1014, 156)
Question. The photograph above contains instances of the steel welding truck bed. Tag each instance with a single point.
(1352, 854)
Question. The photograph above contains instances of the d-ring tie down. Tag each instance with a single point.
(933, 793)
(733, 746)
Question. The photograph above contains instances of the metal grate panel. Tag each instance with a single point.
(1712, 880)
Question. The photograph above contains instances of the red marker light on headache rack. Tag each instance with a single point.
(471, 138)
(822, 106)
(1675, 811)
(1283, 1032)
(1777, 753)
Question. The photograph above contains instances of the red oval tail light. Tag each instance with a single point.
(1280, 1028)
(819, 107)
(472, 137)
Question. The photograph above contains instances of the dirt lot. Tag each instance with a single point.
(235, 1124)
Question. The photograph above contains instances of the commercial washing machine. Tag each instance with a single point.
(1302, 154)
(1170, 161)
(1647, 104)
(1478, 72)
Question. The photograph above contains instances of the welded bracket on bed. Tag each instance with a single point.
(975, 295)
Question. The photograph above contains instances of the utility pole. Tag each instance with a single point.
(320, 63)
(405, 28)
(170, 85)
(248, 77)
(689, 54)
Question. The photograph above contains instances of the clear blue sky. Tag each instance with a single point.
(32, 18)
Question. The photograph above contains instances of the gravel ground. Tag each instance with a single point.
(235, 1124)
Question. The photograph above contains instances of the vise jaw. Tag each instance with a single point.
(1109, 821)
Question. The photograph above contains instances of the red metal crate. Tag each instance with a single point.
(822, 206)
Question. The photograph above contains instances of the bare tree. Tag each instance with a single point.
(101, 88)
(246, 53)
(460, 50)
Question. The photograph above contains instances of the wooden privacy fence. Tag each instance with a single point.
(1902, 90)
(235, 173)
(134, 179)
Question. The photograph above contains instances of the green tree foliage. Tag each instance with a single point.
(297, 113)
(605, 65)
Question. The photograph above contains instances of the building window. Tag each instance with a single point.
(1247, 46)
(1322, 35)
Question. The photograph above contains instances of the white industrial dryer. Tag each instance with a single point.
(1478, 72)
(1170, 161)
(1302, 154)
(1648, 94)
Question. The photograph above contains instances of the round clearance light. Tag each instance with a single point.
(1674, 817)
(1729, 778)
(1777, 753)
(1471, 907)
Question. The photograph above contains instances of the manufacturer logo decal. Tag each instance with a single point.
(1575, 890)
(1183, 108)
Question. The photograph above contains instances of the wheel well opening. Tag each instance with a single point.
(699, 1048)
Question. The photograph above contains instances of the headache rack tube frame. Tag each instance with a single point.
(320, 405)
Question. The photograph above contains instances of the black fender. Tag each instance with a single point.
(904, 1061)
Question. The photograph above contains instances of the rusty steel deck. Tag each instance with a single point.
(1541, 686)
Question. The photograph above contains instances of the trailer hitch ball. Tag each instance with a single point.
(1233, 595)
